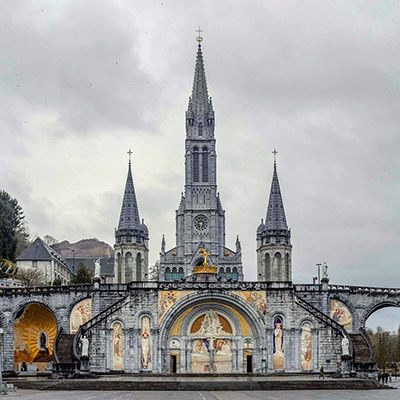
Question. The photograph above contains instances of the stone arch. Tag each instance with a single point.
(201, 310)
(376, 307)
(139, 266)
(249, 314)
(41, 302)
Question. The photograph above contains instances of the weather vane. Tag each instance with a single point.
(199, 38)
(130, 152)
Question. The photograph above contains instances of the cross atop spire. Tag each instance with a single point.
(130, 152)
(274, 153)
(199, 38)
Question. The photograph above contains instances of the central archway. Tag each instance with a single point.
(212, 332)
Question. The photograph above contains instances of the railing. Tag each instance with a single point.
(365, 289)
(324, 318)
(96, 320)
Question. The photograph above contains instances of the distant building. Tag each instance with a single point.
(42, 257)
(106, 264)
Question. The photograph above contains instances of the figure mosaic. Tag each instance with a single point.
(118, 347)
(145, 341)
(306, 347)
(279, 360)
(341, 314)
(81, 313)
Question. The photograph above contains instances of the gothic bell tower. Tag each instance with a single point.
(131, 248)
(274, 248)
(200, 218)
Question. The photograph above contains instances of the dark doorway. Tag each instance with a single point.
(173, 364)
(249, 364)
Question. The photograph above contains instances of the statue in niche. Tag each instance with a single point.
(42, 341)
(345, 347)
(211, 325)
(43, 354)
(85, 346)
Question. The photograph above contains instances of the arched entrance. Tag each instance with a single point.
(35, 329)
(212, 333)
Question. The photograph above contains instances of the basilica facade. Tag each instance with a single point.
(199, 316)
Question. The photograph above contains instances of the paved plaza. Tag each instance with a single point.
(195, 395)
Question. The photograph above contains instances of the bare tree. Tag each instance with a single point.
(50, 240)
(30, 277)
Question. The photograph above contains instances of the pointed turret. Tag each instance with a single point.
(129, 217)
(276, 218)
(273, 238)
(131, 238)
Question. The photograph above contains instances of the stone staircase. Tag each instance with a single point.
(361, 351)
(83, 329)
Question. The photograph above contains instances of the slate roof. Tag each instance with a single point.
(40, 251)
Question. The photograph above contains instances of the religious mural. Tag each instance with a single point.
(118, 347)
(200, 356)
(34, 331)
(145, 344)
(222, 356)
(81, 313)
(167, 298)
(278, 349)
(258, 300)
(306, 347)
(341, 314)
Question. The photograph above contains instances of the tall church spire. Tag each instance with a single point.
(129, 217)
(276, 218)
(274, 249)
(200, 113)
(131, 261)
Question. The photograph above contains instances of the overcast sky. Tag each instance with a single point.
(83, 81)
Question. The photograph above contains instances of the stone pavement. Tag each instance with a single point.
(206, 395)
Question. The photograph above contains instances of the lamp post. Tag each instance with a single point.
(319, 273)
(73, 259)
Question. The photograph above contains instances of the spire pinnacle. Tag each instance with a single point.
(130, 153)
(274, 153)
(199, 38)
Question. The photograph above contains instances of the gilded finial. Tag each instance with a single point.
(199, 38)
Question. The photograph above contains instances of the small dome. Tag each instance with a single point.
(261, 228)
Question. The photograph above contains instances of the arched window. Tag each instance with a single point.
(267, 266)
(278, 266)
(181, 273)
(174, 273)
(204, 162)
(228, 273)
(168, 275)
(196, 166)
(200, 129)
(235, 274)
(287, 266)
(119, 268)
(139, 267)
(128, 267)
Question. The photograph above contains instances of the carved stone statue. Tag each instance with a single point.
(324, 271)
(97, 268)
(211, 325)
(345, 347)
(85, 346)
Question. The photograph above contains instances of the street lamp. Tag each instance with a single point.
(73, 259)
(319, 273)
